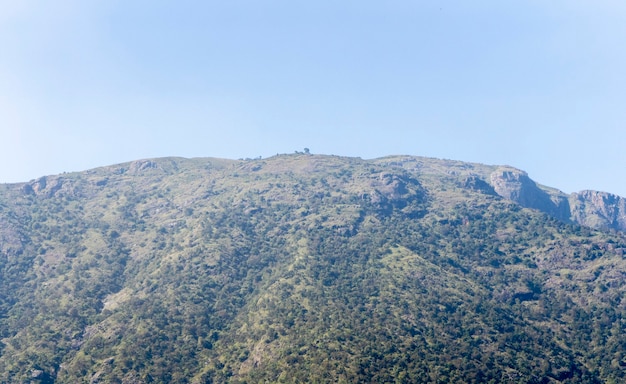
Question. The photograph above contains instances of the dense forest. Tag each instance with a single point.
(302, 268)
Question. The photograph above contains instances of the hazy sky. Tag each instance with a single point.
(539, 85)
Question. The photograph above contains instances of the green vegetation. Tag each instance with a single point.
(301, 268)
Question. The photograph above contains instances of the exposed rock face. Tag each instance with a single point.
(515, 185)
(49, 186)
(475, 183)
(388, 191)
(599, 210)
(138, 166)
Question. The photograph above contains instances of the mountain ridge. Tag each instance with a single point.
(597, 209)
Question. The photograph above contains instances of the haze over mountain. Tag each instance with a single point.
(313, 268)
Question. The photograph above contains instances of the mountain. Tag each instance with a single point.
(309, 268)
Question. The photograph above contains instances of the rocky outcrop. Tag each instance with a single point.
(140, 166)
(389, 191)
(515, 185)
(477, 184)
(49, 186)
(599, 210)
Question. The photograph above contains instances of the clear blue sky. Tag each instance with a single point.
(539, 85)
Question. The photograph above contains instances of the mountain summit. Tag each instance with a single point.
(309, 268)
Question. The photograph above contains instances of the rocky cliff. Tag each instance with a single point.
(600, 210)
(515, 185)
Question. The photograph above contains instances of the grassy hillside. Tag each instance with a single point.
(301, 268)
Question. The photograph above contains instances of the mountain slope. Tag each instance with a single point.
(305, 268)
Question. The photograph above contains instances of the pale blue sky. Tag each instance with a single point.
(539, 85)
